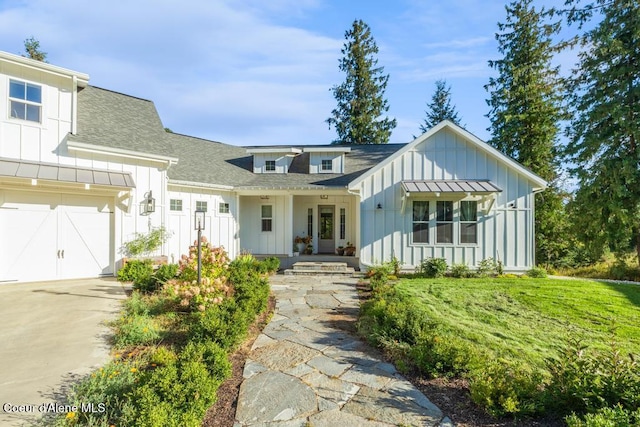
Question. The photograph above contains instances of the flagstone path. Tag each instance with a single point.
(308, 368)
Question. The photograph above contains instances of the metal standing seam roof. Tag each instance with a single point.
(451, 186)
(63, 173)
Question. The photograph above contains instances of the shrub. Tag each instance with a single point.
(487, 268)
(432, 267)
(193, 297)
(460, 270)
(505, 388)
(214, 262)
(537, 272)
(606, 417)
(143, 244)
(136, 271)
(136, 329)
(272, 264)
(585, 381)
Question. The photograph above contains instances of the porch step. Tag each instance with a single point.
(305, 268)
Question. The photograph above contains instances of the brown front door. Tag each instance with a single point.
(326, 230)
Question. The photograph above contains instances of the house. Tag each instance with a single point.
(79, 164)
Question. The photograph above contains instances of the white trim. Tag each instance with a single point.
(287, 150)
(541, 183)
(83, 78)
(99, 149)
(327, 149)
(192, 184)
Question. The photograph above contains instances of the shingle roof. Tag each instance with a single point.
(116, 120)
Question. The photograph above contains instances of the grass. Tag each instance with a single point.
(529, 318)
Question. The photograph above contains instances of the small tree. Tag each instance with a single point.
(440, 107)
(360, 97)
(32, 49)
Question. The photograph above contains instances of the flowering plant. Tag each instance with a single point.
(306, 239)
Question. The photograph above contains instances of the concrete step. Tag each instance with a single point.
(320, 266)
(348, 272)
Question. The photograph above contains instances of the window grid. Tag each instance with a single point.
(223, 208)
(175, 205)
(326, 165)
(267, 218)
(444, 222)
(468, 222)
(270, 165)
(201, 206)
(420, 221)
(26, 101)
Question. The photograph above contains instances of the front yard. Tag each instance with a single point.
(527, 347)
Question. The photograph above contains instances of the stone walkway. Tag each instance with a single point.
(308, 368)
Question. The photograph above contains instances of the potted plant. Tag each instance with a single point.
(309, 249)
(340, 250)
(300, 244)
(349, 250)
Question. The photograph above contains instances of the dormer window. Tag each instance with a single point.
(326, 165)
(270, 165)
(26, 101)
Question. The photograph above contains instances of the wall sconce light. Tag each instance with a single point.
(264, 197)
(379, 206)
(437, 194)
(148, 205)
(324, 196)
(34, 182)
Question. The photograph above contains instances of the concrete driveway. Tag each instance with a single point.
(50, 334)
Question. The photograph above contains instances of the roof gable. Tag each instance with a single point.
(539, 183)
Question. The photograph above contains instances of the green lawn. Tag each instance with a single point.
(530, 319)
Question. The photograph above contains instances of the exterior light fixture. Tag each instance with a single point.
(379, 206)
(264, 197)
(34, 182)
(148, 205)
(199, 224)
(324, 196)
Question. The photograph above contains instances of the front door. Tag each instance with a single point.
(326, 230)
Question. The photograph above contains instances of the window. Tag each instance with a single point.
(343, 223)
(420, 221)
(310, 222)
(267, 218)
(175, 205)
(270, 165)
(444, 222)
(468, 222)
(326, 165)
(26, 100)
(201, 206)
(223, 208)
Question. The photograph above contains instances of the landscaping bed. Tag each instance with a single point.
(526, 351)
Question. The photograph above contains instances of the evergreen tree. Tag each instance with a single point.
(360, 97)
(605, 130)
(440, 107)
(32, 49)
(525, 113)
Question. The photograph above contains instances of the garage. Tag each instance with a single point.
(48, 236)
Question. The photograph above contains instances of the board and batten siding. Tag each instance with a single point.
(505, 233)
(278, 241)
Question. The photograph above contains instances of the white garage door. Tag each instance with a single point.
(51, 236)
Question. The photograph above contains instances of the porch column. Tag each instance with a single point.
(288, 230)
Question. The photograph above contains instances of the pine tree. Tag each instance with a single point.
(32, 49)
(526, 110)
(605, 130)
(440, 107)
(360, 97)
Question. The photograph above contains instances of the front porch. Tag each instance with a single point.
(271, 223)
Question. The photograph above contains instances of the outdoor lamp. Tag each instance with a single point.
(198, 224)
(198, 220)
(148, 205)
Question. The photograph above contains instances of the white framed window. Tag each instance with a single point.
(201, 206)
(420, 221)
(270, 165)
(326, 165)
(343, 223)
(175, 205)
(267, 218)
(223, 208)
(468, 221)
(444, 222)
(25, 101)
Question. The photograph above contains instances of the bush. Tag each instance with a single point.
(214, 262)
(487, 268)
(432, 267)
(505, 388)
(537, 273)
(460, 270)
(136, 271)
(606, 417)
(272, 264)
(586, 381)
(136, 329)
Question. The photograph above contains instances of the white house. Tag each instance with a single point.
(78, 163)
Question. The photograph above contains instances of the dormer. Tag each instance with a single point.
(273, 160)
(327, 159)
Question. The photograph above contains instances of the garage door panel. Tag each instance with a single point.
(85, 242)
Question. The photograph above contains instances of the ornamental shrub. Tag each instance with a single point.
(487, 268)
(136, 271)
(606, 417)
(460, 271)
(537, 273)
(215, 262)
(433, 267)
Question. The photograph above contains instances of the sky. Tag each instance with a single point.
(259, 72)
